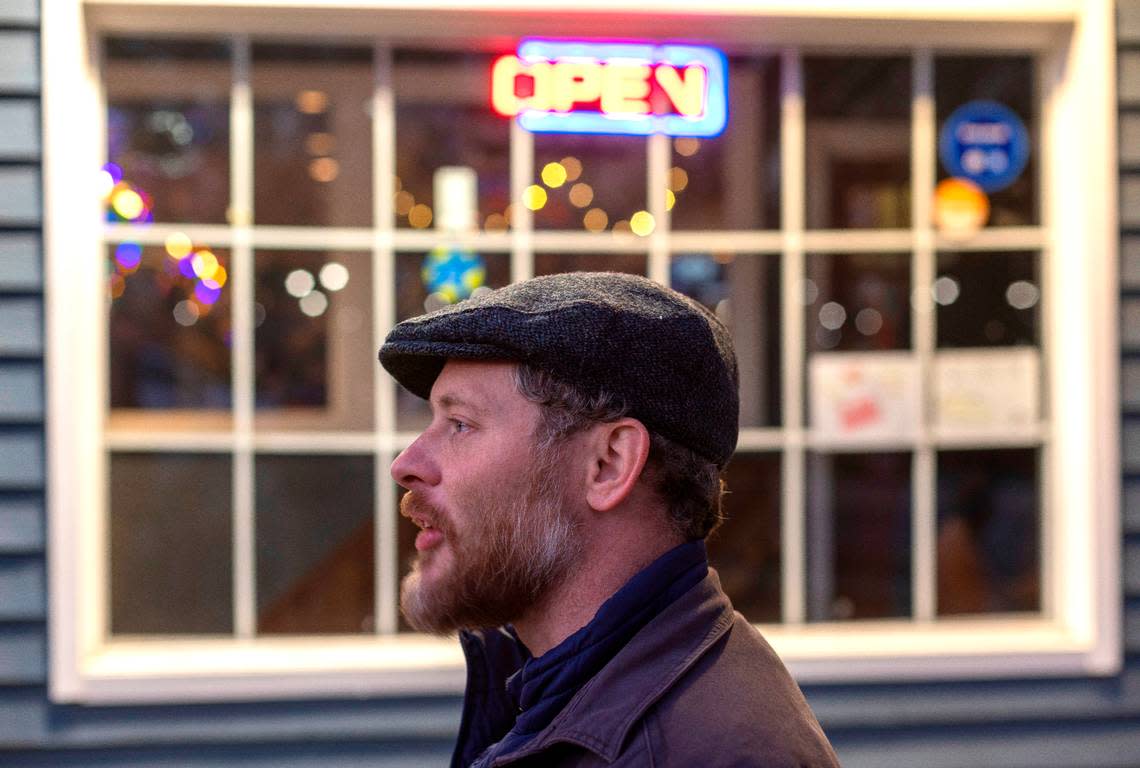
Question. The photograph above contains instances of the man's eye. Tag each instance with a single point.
(459, 426)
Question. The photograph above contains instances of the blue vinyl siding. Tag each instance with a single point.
(1045, 723)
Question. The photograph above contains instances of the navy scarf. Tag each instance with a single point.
(507, 704)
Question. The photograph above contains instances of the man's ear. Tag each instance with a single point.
(617, 451)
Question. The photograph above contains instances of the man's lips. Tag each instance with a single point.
(429, 538)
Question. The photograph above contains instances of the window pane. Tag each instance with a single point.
(169, 333)
(858, 301)
(168, 130)
(732, 181)
(988, 299)
(601, 186)
(312, 160)
(171, 544)
(1010, 81)
(858, 548)
(313, 340)
(427, 281)
(443, 119)
(989, 552)
(857, 142)
(553, 263)
(315, 558)
(744, 291)
(745, 550)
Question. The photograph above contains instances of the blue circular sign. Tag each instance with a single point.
(985, 142)
(453, 273)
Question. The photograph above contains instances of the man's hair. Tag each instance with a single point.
(689, 484)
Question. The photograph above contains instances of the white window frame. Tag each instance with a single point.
(1079, 630)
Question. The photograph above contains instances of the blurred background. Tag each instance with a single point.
(874, 224)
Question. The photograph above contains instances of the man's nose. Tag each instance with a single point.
(415, 466)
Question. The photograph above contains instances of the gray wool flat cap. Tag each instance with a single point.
(667, 357)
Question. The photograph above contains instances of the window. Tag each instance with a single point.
(912, 492)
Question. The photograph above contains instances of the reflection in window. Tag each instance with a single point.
(168, 130)
(313, 135)
(587, 182)
(732, 181)
(171, 544)
(858, 301)
(745, 550)
(987, 299)
(442, 120)
(1008, 80)
(859, 542)
(744, 292)
(989, 552)
(857, 142)
(169, 327)
(315, 536)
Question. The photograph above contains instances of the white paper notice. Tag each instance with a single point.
(864, 394)
(986, 388)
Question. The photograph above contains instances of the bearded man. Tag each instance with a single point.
(564, 490)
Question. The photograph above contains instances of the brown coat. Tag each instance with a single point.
(697, 686)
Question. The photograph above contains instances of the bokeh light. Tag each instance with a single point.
(178, 245)
(573, 167)
(334, 276)
(127, 203)
(678, 179)
(832, 315)
(1022, 294)
(206, 295)
(686, 146)
(453, 273)
(642, 223)
(186, 313)
(961, 208)
(670, 199)
(323, 169)
(868, 321)
(420, 216)
(622, 225)
(554, 175)
(595, 220)
(495, 222)
(105, 184)
(116, 285)
(811, 291)
(314, 304)
(534, 197)
(945, 290)
(405, 201)
(581, 195)
(204, 263)
(218, 279)
(128, 256)
(300, 283)
(312, 102)
(186, 268)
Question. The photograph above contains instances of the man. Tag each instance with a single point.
(564, 488)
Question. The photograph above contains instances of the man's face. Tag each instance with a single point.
(498, 526)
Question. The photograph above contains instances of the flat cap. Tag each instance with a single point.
(668, 358)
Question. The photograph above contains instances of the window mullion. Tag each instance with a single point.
(241, 219)
(659, 147)
(521, 218)
(386, 537)
(923, 267)
(793, 476)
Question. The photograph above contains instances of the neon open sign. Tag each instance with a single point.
(578, 87)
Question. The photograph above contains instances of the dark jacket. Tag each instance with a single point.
(697, 686)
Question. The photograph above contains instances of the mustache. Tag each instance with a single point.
(414, 507)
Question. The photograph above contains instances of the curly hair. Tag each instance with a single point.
(690, 485)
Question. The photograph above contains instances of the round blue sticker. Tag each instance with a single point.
(985, 142)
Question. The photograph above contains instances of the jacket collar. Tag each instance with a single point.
(599, 717)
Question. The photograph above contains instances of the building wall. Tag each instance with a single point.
(1024, 723)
